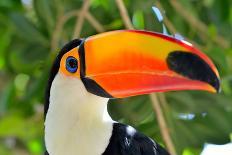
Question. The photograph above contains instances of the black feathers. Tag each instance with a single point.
(125, 140)
(46, 153)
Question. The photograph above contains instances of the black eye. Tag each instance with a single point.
(71, 64)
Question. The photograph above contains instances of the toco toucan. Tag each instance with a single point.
(117, 64)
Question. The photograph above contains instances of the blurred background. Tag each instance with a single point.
(33, 31)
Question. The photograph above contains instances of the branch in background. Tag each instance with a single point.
(124, 14)
(80, 19)
(94, 22)
(155, 102)
(58, 29)
(162, 124)
(163, 100)
(63, 19)
(198, 25)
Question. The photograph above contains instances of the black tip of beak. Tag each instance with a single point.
(193, 67)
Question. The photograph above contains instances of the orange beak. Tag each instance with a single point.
(130, 62)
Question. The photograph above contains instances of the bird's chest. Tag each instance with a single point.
(73, 134)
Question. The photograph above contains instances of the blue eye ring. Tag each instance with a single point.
(71, 64)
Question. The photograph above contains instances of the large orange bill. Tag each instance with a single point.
(130, 62)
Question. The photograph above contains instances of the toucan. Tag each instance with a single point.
(116, 64)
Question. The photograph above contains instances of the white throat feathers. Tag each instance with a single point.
(77, 122)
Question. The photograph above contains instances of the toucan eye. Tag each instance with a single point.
(71, 64)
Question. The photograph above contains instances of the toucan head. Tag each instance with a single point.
(126, 63)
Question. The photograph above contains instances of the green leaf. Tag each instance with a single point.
(191, 151)
(6, 97)
(138, 20)
(35, 147)
(5, 39)
(43, 10)
(27, 30)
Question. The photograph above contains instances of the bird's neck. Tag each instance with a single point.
(76, 119)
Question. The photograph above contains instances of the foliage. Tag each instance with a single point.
(27, 48)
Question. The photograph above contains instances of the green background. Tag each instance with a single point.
(30, 38)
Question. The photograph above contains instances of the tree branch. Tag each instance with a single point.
(162, 124)
(58, 29)
(80, 19)
(124, 14)
(63, 19)
(94, 22)
(198, 25)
